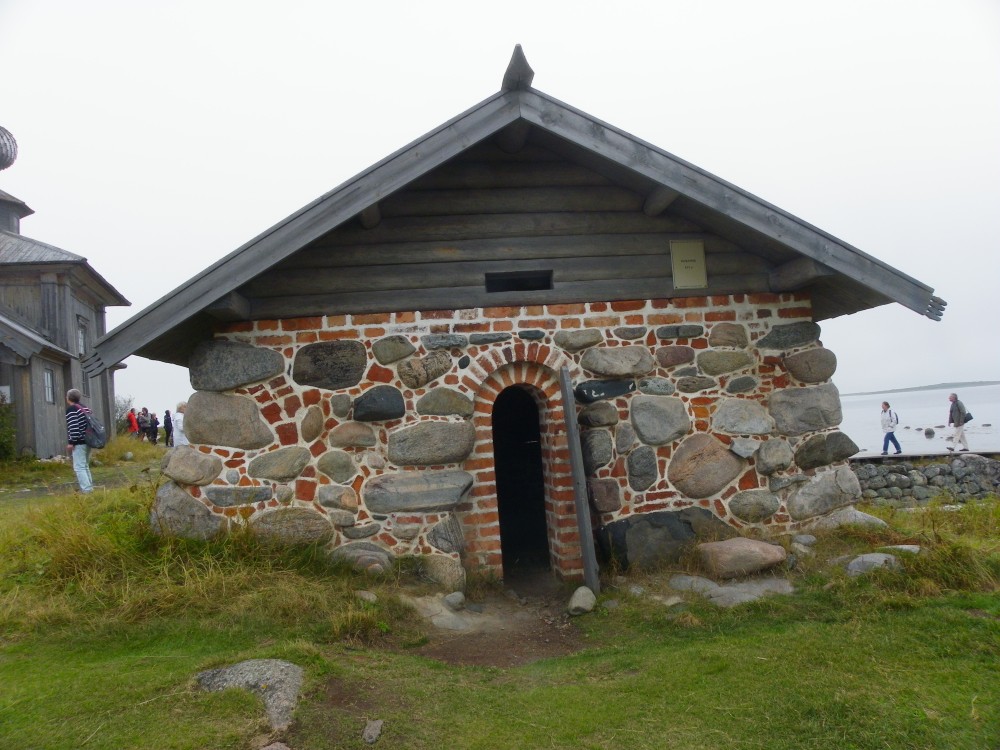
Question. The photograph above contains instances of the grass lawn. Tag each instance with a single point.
(103, 628)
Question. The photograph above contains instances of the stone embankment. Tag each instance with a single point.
(959, 478)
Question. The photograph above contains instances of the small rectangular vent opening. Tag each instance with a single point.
(518, 281)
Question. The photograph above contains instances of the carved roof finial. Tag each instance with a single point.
(519, 74)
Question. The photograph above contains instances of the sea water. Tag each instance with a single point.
(920, 410)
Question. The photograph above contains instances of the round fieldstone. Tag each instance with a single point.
(739, 556)
(379, 404)
(444, 341)
(337, 497)
(739, 416)
(618, 361)
(773, 455)
(176, 514)
(630, 333)
(656, 386)
(728, 334)
(312, 424)
(605, 495)
(430, 443)
(596, 447)
(823, 493)
(789, 336)
(225, 365)
(392, 349)
(702, 466)
(754, 506)
(447, 535)
(340, 404)
(416, 373)
(649, 540)
(742, 384)
(232, 421)
(416, 491)
(280, 465)
(624, 437)
(800, 410)
(446, 571)
(352, 435)
(291, 525)
(575, 341)
(744, 447)
(642, 468)
(824, 449)
(186, 465)
(599, 414)
(227, 497)
(671, 356)
(338, 465)
(479, 339)
(683, 331)
(695, 383)
(444, 402)
(330, 364)
(812, 365)
(716, 362)
(367, 557)
(658, 420)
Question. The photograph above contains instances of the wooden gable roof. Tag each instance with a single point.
(566, 186)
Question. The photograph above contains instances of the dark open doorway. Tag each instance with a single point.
(517, 453)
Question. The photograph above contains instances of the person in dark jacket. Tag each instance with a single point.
(168, 428)
(154, 427)
(76, 445)
(956, 417)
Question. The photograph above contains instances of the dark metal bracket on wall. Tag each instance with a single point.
(590, 572)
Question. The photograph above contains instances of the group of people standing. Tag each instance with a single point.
(958, 415)
(145, 425)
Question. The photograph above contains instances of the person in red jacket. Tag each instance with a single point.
(133, 423)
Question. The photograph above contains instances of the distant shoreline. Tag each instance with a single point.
(939, 386)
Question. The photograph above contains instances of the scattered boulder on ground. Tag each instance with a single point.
(276, 682)
(739, 556)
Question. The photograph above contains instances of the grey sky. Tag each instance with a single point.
(154, 138)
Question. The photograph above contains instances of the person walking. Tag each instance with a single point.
(168, 428)
(76, 445)
(154, 428)
(890, 420)
(179, 437)
(956, 416)
(143, 419)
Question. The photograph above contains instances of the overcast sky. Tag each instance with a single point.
(156, 137)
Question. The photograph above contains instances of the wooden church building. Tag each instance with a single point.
(381, 371)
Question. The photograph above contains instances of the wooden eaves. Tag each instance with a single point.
(843, 278)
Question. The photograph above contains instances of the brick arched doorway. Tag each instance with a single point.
(533, 370)
(520, 479)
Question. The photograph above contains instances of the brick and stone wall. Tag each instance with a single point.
(373, 432)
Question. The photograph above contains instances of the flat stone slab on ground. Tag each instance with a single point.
(731, 594)
(276, 682)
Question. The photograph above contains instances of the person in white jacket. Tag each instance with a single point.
(889, 421)
(179, 437)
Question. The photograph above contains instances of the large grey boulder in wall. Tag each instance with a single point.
(330, 364)
(431, 443)
(658, 420)
(176, 513)
(800, 410)
(650, 539)
(232, 421)
(224, 365)
(416, 491)
(823, 493)
(702, 466)
(187, 465)
(618, 361)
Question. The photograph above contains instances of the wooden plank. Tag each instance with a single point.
(796, 274)
(451, 228)
(511, 248)
(510, 200)
(590, 570)
(406, 277)
(231, 306)
(476, 175)
(514, 137)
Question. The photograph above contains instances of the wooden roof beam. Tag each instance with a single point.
(795, 274)
(513, 137)
(659, 199)
(232, 306)
(371, 216)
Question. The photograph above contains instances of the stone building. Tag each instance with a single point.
(52, 310)
(381, 370)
